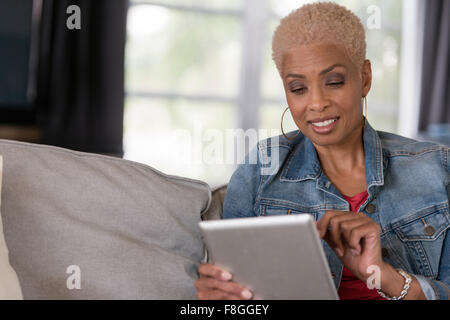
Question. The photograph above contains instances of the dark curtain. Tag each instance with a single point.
(435, 92)
(81, 76)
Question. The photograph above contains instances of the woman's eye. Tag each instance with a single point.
(335, 84)
(298, 90)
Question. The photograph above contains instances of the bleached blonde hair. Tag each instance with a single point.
(320, 22)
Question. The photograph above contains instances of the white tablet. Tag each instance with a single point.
(277, 257)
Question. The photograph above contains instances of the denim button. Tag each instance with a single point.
(333, 275)
(429, 230)
(384, 252)
(371, 208)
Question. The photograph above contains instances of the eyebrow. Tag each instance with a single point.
(293, 75)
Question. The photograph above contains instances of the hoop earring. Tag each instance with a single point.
(364, 105)
(283, 130)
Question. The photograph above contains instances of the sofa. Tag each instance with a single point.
(88, 226)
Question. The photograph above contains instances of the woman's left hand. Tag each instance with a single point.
(355, 238)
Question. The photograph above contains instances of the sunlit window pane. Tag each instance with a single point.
(216, 4)
(175, 51)
(271, 119)
(282, 8)
(271, 84)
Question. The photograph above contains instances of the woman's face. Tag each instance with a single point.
(324, 91)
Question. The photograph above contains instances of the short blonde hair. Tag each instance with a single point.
(320, 22)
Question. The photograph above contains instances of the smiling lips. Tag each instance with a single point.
(323, 125)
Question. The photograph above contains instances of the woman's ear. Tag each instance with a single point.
(366, 77)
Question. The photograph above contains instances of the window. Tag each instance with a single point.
(196, 69)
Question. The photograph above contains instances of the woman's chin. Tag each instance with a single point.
(324, 140)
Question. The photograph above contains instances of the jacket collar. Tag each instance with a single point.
(303, 164)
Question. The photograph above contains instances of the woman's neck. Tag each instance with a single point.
(343, 160)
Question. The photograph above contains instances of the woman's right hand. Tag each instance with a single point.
(215, 284)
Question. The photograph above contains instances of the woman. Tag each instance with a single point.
(379, 199)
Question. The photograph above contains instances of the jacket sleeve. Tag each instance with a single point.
(239, 201)
(439, 289)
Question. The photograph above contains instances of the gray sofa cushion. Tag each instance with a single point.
(131, 230)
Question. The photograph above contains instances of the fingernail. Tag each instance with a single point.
(339, 252)
(246, 294)
(226, 275)
(354, 252)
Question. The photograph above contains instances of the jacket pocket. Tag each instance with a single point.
(270, 210)
(422, 237)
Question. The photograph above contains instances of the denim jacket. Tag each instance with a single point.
(408, 187)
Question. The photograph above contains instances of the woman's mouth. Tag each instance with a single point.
(324, 126)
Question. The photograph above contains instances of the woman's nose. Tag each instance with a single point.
(317, 101)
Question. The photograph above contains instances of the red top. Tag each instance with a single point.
(351, 288)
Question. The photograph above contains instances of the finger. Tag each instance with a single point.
(211, 270)
(365, 231)
(347, 227)
(229, 287)
(335, 234)
(216, 295)
(322, 225)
